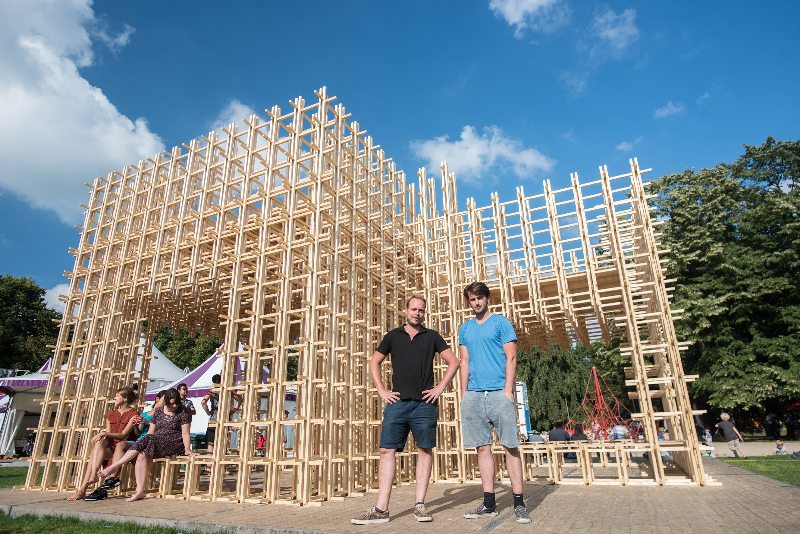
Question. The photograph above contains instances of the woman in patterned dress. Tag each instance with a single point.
(167, 437)
(110, 443)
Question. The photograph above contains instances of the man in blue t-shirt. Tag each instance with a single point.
(488, 347)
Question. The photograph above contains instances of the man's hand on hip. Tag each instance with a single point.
(389, 396)
(430, 395)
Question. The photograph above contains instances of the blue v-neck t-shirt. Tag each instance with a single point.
(487, 361)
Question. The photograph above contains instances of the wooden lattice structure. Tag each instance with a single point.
(297, 237)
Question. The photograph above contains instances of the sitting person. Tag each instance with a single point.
(167, 437)
(578, 435)
(780, 448)
(535, 437)
(109, 444)
(144, 424)
(558, 433)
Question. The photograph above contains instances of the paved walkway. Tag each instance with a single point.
(744, 503)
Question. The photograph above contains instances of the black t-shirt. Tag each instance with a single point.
(412, 360)
(727, 429)
(559, 434)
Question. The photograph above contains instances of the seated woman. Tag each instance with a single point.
(143, 423)
(109, 444)
(578, 435)
(167, 437)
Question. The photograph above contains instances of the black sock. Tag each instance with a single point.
(518, 500)
(488, 500)
(416, 503)
(381, 511)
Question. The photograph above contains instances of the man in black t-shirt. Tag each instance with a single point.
(732, 434)
(410, 404)
(558, 433)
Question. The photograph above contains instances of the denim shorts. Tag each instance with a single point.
(483, 410)
(417, 416)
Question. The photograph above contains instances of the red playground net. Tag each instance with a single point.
(602, 415)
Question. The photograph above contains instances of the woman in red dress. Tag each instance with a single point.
(167, 437)
(110, 444)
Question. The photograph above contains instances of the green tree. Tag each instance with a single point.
(27, 325)
(734, 236)
(556, 382)
(184, 350)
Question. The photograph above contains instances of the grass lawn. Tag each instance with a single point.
(29, 524)
(15, 476)
(783, 468)
(12, 476)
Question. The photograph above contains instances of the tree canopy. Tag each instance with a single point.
(184, 350)
(734, 236)
(27, 325)
(557, 379)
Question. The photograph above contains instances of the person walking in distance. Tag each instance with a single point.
(411, 404)
(731, 434)
(488, 347)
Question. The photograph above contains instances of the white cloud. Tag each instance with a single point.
(51, 297)
(627, 146)
(669, 109)
(615, 33)
(609, 37)
(58, 131)
(234, 111)
(114, 43)
(474, 156)
(576, 81)
(702, 99)
(539, 15)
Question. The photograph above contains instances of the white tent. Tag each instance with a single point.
(199, 383)
(162, 371)
(18, 407)
(23, 409)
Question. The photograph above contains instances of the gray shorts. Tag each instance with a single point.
(482, 410)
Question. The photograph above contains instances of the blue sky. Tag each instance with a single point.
(511, 92)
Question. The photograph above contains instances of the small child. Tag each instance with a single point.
(709, 440)
(780, 449)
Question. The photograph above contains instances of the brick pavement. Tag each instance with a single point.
(745, 502)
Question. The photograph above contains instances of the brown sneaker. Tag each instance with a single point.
(373, 516)
(421, 513)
